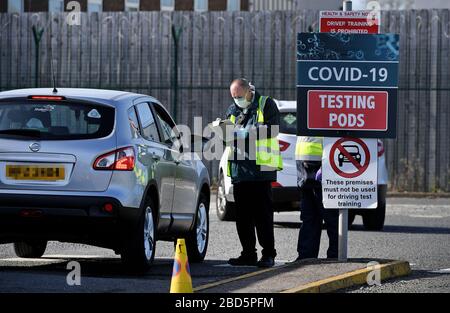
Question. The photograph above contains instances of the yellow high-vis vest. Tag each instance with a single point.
(309, 148)
(267, 150)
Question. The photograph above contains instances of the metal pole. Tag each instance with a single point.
(343, 234)
(176, 39)
(343, 213)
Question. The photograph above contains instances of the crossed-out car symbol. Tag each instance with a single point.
(353, 150)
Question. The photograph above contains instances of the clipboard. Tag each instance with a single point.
(219, 127)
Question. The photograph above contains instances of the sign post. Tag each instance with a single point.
(347, 82)
(343, 213)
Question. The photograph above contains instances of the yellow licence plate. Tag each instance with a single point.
(35, 172)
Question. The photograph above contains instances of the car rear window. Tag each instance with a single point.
(288, 123)
(55, 120)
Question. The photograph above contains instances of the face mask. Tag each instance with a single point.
(242, 102)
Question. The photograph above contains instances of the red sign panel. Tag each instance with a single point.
(347, 110)
(349, 22)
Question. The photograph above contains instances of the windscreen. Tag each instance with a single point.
(55, 120)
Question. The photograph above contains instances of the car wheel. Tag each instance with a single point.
(198, 237)
(374, 219)
(139, 249)
(225, 210)
(30, 249)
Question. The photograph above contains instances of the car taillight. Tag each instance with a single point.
(108, 208)
(283, 145)
(50, 98)
(120, 160)
(276, 184)
(380, 148)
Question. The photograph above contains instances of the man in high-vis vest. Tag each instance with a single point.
(254, 159)
(308, 155)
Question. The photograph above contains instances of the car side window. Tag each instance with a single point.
(134, 124)
(166, 123)
(149, 129)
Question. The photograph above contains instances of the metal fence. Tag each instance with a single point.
(190, 76)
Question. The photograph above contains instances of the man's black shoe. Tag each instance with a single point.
(266, 261)
(243, 261)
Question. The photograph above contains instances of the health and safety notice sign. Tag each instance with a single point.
(350, 22)
(349, 173)
(347, 84)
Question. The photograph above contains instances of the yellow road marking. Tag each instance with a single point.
(358, 277)
(354, 278)
(232, 279)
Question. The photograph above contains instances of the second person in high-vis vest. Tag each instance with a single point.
(253, 165)
(308, 155)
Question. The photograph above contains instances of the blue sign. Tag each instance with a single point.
(348, 73)
(337, 62)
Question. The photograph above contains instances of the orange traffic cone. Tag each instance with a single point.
(181, 274)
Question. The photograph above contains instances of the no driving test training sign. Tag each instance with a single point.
(349, 173)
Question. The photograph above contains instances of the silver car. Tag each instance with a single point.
(99, 167)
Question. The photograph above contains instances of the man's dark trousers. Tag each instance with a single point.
(312, 215)
(253, 201)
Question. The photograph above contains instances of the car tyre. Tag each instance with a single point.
(198, 237)
(226, 211)
(30, 249)
(138, 252)
(374, 219)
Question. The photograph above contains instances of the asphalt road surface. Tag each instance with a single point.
(416, 230)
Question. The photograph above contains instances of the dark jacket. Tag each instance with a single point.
(306, 174)
(246, 169)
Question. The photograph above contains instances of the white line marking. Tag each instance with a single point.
(277, 264)
(287, 213)
(75, 256)
(10, 260)
(228, 265)
(19, 262)
(434, 206)
(441, 271)
(56, 257)
(425, 216)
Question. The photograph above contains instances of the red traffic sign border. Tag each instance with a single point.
(338, 146)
